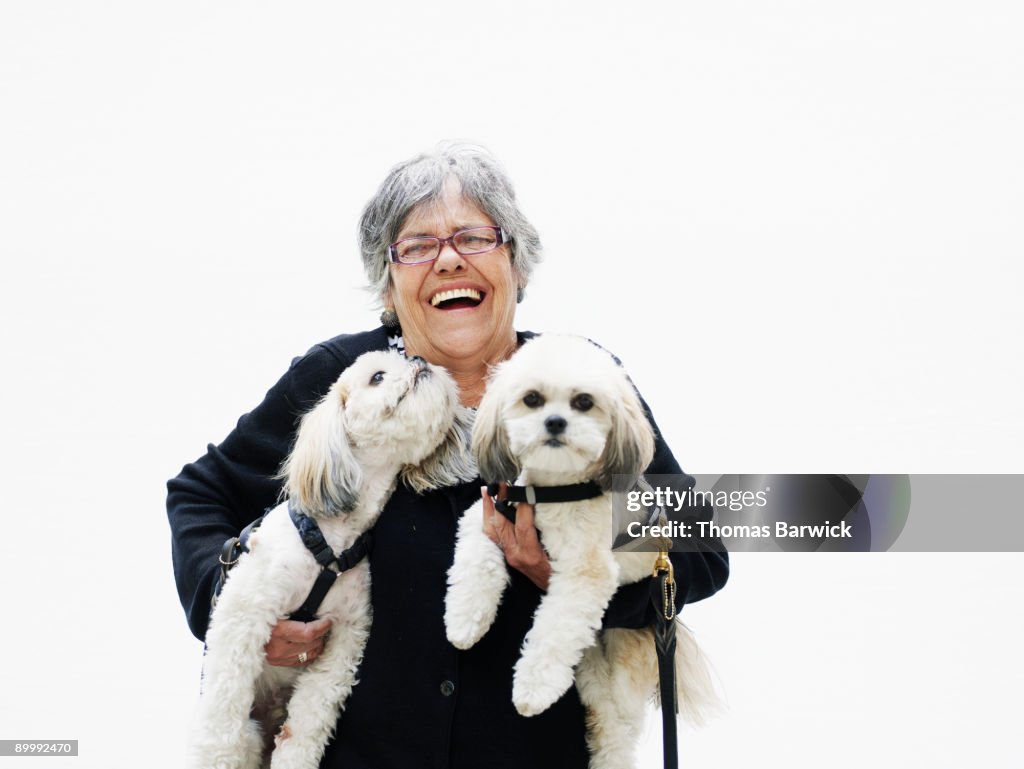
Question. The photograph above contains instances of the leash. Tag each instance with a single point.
(314, 541)
(663, 599)
(663, 596)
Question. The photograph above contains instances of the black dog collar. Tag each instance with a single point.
(533, 495)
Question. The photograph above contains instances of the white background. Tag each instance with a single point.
(798, 223)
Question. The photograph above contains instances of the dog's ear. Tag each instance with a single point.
(494, 457)
(448, 464)
(321, 474)
(630, 446)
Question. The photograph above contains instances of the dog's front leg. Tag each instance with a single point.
(324, 686)
(565, 625)
(224, 737)
(476, 581)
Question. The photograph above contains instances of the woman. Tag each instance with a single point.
(448, 251)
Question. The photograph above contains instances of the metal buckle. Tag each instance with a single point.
(235, 550)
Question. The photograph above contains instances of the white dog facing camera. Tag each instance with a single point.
(561, 412)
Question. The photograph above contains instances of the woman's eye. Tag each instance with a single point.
(582, 402)
(533, 399)
(415, 245)
(377, 378)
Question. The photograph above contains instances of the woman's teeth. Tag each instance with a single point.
(455, 293)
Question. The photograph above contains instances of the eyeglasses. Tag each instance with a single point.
(469, 242)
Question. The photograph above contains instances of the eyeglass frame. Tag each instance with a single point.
(503, 238)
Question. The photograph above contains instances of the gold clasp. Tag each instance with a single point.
(664, 564)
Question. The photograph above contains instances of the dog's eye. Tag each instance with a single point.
(533, 399)
(582, 402)
(377, 378)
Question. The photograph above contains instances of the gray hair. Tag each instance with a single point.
(423, 179)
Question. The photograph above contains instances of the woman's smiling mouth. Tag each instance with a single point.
(456, 298)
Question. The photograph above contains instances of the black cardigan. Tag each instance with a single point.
(419, 701)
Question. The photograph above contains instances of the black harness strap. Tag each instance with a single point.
(315, 542)
(533, 495)
(229, 555)
(324, 582)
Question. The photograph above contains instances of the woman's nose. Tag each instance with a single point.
(449, 259)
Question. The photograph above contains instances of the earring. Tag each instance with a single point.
(389, 320)
(520, 293)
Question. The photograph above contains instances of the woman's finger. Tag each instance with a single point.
(289, 640)
(488, 514)
(496, 526)
(526, 532)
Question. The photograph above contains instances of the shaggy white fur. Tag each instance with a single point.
(561, 411)
(385, 418)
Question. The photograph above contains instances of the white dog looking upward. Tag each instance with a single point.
(559, 412)
(386, 418)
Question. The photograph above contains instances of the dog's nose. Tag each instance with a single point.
(555, 424)
(421, 369)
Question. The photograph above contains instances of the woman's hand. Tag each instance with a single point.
(294, 644)
(518, 541)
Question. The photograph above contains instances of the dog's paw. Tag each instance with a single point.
(220, 744)
(533, 693)
(465, 628)
(288, 753)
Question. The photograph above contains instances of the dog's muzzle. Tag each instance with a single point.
(423, 369)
